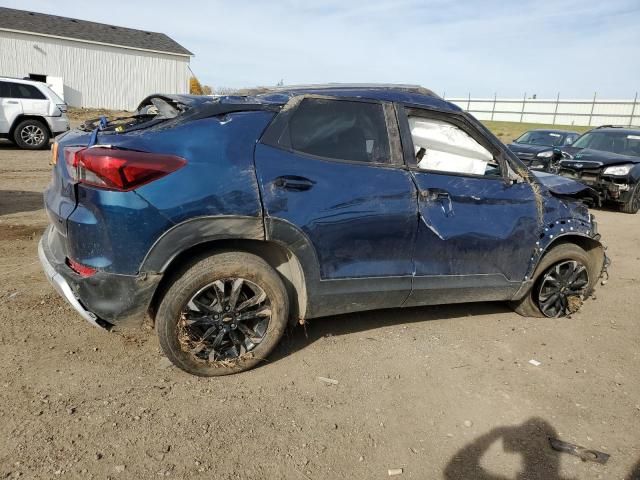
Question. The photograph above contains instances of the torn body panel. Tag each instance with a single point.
(567, 188)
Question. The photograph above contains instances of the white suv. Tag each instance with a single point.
(30, 113)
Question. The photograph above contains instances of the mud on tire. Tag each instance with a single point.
(222, 314)
(528, 306)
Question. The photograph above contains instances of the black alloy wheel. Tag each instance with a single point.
(562, 288)
(224, 320)
(221, 313)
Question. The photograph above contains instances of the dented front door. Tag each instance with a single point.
(476, 232)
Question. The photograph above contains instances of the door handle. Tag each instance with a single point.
(438, 195)
(12, 102)
(293, 182)
(434, 194)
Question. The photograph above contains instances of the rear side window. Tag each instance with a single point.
(337, 129)
(21, 90)
(4, 90)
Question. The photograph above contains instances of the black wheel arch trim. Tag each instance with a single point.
(294, 259)
(196, 231)
(584, 237)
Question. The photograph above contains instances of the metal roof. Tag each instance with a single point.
(84, 31)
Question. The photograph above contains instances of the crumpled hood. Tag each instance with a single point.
(603, 158)
(566, 187)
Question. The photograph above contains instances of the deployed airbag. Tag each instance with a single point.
(447, 148)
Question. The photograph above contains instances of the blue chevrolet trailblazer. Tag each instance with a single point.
(228, 219)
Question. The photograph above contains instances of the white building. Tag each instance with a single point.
(98, 65)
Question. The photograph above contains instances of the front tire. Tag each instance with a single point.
(569, 268)
(31, 135)
(633, 204)
(223, 314)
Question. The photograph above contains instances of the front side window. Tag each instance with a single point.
(338, 129)
(21, 90)
(443, 147)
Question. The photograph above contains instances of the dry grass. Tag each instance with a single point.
(82, 114)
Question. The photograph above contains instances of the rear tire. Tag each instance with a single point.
(207, 330)
(633, 204)
(31, 135)
(529, 305)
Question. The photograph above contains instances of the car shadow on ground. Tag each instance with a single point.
(607, 207)
(299, 338)
(7, 145)
(19, 201)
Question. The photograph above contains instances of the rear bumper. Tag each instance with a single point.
(104, 299)
(63, 288)
(58, 125)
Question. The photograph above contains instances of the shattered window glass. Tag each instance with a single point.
(337, 129)
(441, 146)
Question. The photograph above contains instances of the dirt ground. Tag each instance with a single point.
(439, 392)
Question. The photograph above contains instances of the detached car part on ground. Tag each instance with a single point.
(229, 219)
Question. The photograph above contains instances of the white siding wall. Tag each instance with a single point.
(96, 76)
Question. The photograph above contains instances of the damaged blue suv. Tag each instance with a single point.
(228, 219)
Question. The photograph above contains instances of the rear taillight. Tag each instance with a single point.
(115, 169)
(80, 269)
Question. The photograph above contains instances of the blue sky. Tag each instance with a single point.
(574, 47)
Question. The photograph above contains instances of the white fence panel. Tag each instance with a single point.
(556, 111)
